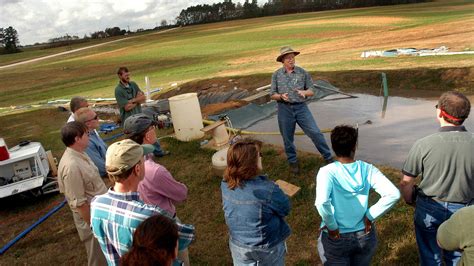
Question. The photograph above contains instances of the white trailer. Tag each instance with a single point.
(26, 171)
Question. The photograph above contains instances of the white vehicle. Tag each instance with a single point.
(27, 171)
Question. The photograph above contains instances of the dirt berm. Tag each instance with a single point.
(218, 94)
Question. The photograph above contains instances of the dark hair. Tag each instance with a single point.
(344, 140)
(138, 138)
(154, 243)
(242, 158)
(122, 70)
(454, 104)
(76, 102)
(71, 130)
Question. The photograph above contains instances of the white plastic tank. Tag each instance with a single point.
(219, 161)
(186, 115)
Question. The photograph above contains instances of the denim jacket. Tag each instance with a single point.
(255, 213)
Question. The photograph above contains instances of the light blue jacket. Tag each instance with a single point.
(342, 195)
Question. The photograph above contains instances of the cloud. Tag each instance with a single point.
(40, 20)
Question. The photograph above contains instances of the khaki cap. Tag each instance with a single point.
(124, 154)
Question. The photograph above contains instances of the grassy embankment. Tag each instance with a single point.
(52, 241)
(329, 41)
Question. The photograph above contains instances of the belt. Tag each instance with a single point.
(434, 198)
(356, 233)
(288, 103)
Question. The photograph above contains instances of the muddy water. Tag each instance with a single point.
(385, 136)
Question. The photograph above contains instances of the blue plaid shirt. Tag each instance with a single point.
(115, 217)
(289, 82)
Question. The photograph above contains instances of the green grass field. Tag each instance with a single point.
(189, 164)
(329, 41)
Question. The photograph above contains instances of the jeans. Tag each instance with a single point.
(158, 151)
(429, 215)
(356, 248)
(290, 115)
(274, 256)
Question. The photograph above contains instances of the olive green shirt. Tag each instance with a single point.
(124, 94)
(457, 234)
(445, 161)
(79, 179)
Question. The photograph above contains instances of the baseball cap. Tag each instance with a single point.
(136, 124)
(124, 154)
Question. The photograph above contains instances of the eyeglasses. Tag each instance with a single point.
(95, 118)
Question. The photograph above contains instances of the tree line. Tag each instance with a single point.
(9, 41)
(229, 10)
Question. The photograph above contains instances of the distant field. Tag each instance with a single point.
(331, 40)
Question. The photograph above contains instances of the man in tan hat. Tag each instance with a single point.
(116, 214)
(291, 87)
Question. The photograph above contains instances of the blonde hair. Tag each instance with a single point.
(81, 114)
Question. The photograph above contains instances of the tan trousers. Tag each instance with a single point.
(95, 256)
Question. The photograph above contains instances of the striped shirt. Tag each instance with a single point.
(289, 82)
(115, 217)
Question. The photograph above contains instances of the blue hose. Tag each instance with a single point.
(113, 137)
(24, 233)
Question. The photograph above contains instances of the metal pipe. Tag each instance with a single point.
(385, 85)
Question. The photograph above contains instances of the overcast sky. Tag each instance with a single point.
(40, 20)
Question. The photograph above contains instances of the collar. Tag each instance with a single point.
(128, 196)
(76, 153)
(452, 128)
(284, 70)
(123, 85)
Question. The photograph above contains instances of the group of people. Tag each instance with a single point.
(135, 221)
(111, 222)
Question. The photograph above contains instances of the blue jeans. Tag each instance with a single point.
(356, 248)
(158, 151)
(429, 215)
(288, 117)
(274, 256)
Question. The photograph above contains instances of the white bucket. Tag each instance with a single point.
(186, 115)
(219, 161)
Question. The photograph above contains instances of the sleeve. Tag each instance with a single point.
(274, 87)
(120, 97)
(450, 235)
(308, 81)
(185, 235)
(414, 163)
(280, 203)
(136, 87)
(169, 187)
(323, 199)
(389, 194)
(74, 189)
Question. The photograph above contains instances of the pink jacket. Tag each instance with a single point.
(160, 188)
